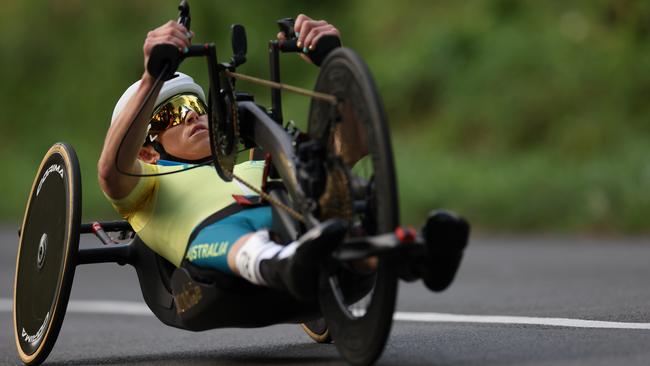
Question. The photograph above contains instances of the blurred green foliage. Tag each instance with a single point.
(520, 115)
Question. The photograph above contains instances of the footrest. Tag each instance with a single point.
(446, 237)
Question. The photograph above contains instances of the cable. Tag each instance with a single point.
(293, 213)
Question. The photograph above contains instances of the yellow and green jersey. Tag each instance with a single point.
(165, 210)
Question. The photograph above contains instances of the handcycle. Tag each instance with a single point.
(340, 167)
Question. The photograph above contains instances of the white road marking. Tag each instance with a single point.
(520, 320)
(140, 309)
(95, 307)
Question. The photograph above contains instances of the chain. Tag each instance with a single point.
(271, 84)
(293, 213)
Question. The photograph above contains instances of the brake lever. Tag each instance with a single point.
(286, 26)
(165, 58)
(184, 14)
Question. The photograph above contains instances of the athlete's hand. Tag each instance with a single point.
(171, 32)
(309, 31)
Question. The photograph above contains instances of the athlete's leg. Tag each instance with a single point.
(294, 267)
(236, 245)
(215, 245)
(212, 245)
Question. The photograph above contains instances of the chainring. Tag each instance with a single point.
(336, 200)
(224, 130)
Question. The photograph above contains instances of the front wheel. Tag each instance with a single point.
(357, 299)
(317, 330)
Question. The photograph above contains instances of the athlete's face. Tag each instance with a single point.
(189, 140)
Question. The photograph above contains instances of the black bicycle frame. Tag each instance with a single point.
(273, 139)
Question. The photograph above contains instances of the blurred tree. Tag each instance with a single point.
(522, 115)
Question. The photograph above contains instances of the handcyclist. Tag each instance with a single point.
(194, 218)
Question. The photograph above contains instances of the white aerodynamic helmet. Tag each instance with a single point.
(180, 83)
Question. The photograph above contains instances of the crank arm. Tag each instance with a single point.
(379, 245)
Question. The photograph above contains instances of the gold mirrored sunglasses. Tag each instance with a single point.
(174, 111)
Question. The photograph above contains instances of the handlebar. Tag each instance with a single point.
(165, 58)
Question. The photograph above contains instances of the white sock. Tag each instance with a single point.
(256, 249)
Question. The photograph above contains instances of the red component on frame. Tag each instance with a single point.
(243, 200)
(405, 235)
(101, 234)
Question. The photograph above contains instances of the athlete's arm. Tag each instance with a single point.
(115, 184)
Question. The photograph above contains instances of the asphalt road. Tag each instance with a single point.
(580, 279)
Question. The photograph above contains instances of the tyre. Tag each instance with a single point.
(317, 330)
(47, 252)
(357, 299)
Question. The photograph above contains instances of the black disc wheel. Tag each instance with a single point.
(47, 252)
(357, 298)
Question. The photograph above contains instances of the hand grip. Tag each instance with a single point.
(163, 58)
(324, 46)
(168, 55)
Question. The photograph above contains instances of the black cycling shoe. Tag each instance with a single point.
(298, 272)
(446, 237)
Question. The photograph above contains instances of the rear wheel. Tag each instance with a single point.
(46, 260)
(357, 299)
